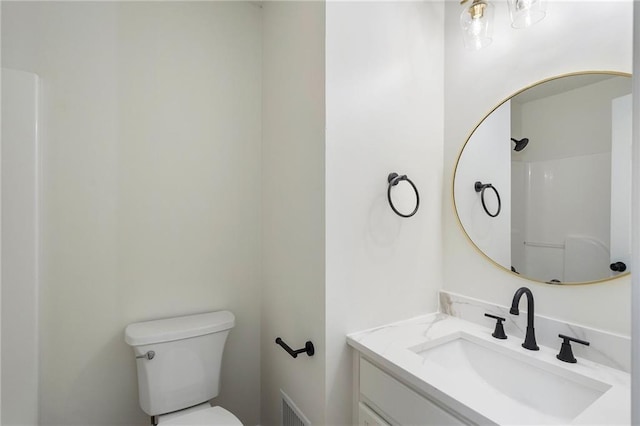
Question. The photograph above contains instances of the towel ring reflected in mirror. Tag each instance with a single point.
(480, 187)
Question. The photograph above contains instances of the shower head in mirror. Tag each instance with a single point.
(520, 144)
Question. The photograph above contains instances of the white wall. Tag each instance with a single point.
(151, 189)
(293, 197)
(384, 114)
(526, 56)
(383, 98)
(20, 185)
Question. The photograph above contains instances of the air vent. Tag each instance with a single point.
(291, 414)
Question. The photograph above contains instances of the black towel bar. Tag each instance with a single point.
(308, 348)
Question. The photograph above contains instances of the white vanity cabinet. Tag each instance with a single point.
(437, 369)
(384, 400)
(368, 417)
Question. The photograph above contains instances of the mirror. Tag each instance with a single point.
(542, 185)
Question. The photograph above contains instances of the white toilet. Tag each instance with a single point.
(178, 362)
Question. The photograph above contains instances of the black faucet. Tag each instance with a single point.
(530, 338)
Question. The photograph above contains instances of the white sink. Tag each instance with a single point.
(524, 389)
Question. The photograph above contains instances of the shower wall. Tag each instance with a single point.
(550, 215)
(568, 159)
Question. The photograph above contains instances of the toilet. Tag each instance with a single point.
(178, 361)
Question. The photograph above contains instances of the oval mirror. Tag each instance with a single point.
(542, 185)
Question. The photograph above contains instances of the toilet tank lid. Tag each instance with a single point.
(177, 328)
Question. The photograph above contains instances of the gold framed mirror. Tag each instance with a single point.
(542, 184)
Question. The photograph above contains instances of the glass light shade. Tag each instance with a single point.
(477, 24)
(525, 13)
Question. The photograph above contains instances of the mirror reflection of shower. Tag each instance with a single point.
(564, 186)
(520, 144)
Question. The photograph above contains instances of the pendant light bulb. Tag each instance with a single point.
(477, 24)
(525, 13)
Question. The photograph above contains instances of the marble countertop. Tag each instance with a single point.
(393, 347)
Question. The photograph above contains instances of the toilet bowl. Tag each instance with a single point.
(178, 362)
(200, 415)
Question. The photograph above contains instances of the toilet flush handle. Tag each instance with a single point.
(149, 355)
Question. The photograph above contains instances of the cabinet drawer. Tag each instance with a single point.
(368, 417)
(397, 401)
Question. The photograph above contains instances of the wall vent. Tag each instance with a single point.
(291, 414)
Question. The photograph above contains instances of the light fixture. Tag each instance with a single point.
(525, 13)
(477, 24)
(477, 20)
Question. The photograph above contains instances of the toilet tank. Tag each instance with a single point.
(187, 356)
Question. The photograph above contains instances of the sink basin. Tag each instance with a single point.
(518, 386)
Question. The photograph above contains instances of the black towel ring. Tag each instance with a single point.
(393, 180)
(480, 187)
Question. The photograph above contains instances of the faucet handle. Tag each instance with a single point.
(566, 353)
(498, 333)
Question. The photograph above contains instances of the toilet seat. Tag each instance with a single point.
(202, 415)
